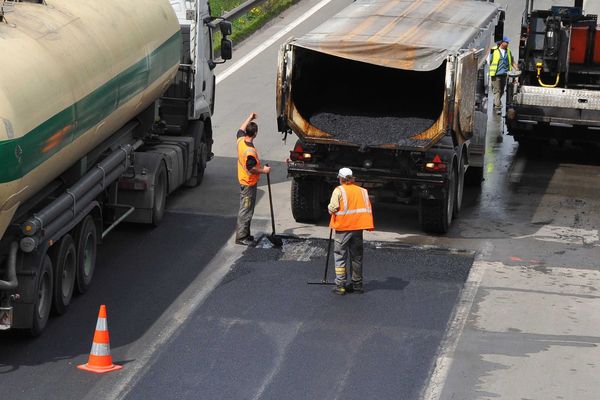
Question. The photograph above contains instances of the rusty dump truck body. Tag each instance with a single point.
(394, 90)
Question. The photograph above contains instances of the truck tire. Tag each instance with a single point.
(160, 195)
(43, 302)
(306, 204)
(460, 186)
(474, 176)
(64, 259)
(200, 154)
(87, 246)
(436, 214)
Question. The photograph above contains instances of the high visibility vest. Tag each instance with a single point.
(496, 60)
(246, 177)
(355, 211)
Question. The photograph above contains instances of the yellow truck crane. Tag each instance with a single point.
(395, 90)
(105, 109)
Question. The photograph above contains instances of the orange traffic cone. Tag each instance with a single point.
(100, 360)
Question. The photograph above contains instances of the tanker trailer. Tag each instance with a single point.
(395, 90)
(99, 122)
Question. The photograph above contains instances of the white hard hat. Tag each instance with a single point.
(345, 173)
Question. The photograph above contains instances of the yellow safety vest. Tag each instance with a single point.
(496, 60)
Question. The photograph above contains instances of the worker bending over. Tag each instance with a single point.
(249, 170)
(351, 213)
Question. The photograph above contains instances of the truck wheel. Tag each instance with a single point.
(201, 163)
(64, 259)
(306, 204)
(160, 195)
(460, 185)
(43, 302)
(200, 155)
(87, 242)
(436, 214)
(474, 176)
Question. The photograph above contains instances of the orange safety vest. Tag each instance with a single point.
(246, 177)
(355, 211)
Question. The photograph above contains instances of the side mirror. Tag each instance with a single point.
(225, 27)
(226, 49)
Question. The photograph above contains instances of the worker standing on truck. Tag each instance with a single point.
(351, 213)
(249, 170)
(501, 63)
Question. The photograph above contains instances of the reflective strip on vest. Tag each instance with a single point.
(100, 349)
(358, 210)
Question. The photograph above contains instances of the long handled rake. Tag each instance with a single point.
(324, 280)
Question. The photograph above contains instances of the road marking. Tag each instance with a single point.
(456, 324)
(148, 348)
(516, 172)
(265, 45)
(565, 235)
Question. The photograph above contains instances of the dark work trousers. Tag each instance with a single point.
(498, 87)
(348, 253)
(247, 203)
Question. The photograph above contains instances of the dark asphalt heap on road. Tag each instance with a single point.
(370, 130)
(264, 333)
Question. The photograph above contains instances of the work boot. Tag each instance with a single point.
(245, 241)
(341, 290)
(357, 287)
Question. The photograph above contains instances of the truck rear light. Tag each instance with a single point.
(436, 165)
(298, 154)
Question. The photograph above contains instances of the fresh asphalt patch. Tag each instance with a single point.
(263, 333)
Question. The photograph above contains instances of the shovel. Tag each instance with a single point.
(324, 280)
(273, 238)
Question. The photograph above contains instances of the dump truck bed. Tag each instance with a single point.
(378, 73)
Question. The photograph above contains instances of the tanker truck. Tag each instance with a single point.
(556, 95)
(395, 90)
(105, 109)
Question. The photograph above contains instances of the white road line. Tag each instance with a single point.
(145, 352)
(456, 324)
(265, 45)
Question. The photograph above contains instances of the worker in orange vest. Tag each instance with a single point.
(351, 213)
(249, 170)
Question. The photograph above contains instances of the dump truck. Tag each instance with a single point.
(105, 109)
(396, 91)
(555, 97)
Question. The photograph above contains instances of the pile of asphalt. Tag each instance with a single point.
(370, 130)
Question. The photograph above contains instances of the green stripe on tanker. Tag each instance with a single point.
(21, 155)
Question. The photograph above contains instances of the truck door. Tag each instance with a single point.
(204, 90)
(283, 89)
(465, 95)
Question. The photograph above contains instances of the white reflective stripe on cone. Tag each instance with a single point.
(100, 349)
(101, 325)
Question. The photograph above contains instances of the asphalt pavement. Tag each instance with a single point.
(191, 317)
(265, 333)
